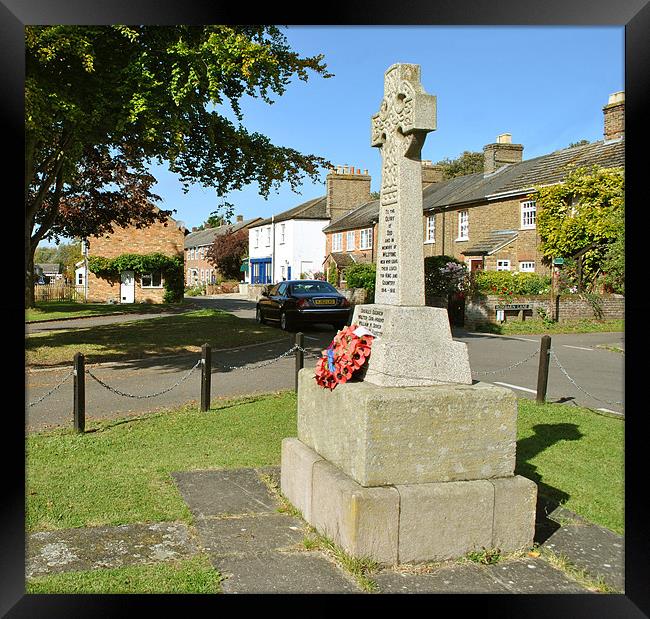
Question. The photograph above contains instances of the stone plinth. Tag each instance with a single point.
(413, 346)
(409, 435)
(408, 523)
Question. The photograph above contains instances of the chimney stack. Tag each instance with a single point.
(240, 218)
(431, 173)
(614, 111)
(500, 153)
(347, 188)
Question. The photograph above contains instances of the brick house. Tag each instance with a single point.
(197, 268)
(130, 287)
(486, 219)
(291, 243)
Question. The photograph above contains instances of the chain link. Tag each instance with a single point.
(261, 364)
(49, 393)
(149, 395)
(557, 361)
(510, 367)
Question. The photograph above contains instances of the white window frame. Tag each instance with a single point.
(268, 236)
(349, 240)
(257, 238)
(503, 265)
(463, 225)
(527, 269)
(150, 275)
(366, 238)
(430, 236)
(528, 214)
(337, 241)
(282, 234)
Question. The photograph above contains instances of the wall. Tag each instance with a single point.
(480, 310)
(165, 238)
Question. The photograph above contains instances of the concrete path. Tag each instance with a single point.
(259, 549)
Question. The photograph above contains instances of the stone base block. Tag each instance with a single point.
(409, 523)
(410, 435)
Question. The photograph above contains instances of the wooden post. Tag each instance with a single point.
(206, 376)
(542, 374)
(79, 398)
(300, 356)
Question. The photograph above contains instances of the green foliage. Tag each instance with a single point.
(467, 163)
(170, 266)
(65, 254)
(332, 275)
(613, 265)
(443, 275)
(362, 275)
(508, 283)
(583, 213)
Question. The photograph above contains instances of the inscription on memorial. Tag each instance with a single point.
(371, 318)
(389, 255)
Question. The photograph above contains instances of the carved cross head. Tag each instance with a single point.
(406, 110)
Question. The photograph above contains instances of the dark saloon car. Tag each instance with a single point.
(304, 300)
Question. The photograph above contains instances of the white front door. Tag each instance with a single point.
(127, 287)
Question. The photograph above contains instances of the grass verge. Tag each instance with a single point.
(516, 327)
(576, 457)
(137, 339)
(58, 310)
(194, 575)
(118, 472)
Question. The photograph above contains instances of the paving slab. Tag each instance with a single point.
(107, 547)
(596, 550)
(449, 579)
(307, 572)
(533, 576)
(249, 535)
(224, 492)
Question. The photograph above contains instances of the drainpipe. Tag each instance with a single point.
(273, 249)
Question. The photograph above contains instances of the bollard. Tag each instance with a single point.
(542, 374)
(79, 388)
(206, 376)
(300, 356)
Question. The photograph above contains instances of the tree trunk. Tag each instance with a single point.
(30, 301)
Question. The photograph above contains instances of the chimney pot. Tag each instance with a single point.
(504, 138)
(240, 218)
(500, 153)
(614, 120)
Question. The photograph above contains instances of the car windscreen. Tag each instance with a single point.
(312, 288)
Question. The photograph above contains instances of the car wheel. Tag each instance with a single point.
(259, 317)
(285, 324)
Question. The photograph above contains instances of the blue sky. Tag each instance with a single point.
(546, 85)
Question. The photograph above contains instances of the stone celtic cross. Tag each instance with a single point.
(399, 129)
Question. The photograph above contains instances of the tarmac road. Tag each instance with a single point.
(593, 373)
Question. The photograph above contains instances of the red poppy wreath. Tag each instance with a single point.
(343, 357)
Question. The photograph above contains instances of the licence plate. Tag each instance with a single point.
(324, 301)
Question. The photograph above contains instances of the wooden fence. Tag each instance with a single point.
(58, 292)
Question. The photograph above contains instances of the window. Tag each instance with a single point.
(337, 240)
(268, 236)
(282, 288)
(527, 267)
(80, 279)
(503, 265)
(257, 238)
(528, 212)
(151, 280)
(281, 233)
(366, 238)
(349, 240)
(463, 225)
(202, 275)
(430, 236)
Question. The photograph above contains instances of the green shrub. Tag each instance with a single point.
(509, 283)
(362, 275)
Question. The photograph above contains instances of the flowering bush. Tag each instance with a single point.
(343, 357)
(509, 283)
(444, 275)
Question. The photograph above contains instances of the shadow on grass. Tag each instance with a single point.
(548, 497)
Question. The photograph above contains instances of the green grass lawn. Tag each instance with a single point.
(119, 472)
(55, 310)
(195, 575)
(533, 326)
(136, 339)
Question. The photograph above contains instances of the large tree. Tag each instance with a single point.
(581, 218)
(468, 162)
(102, 103)
(227, 253)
